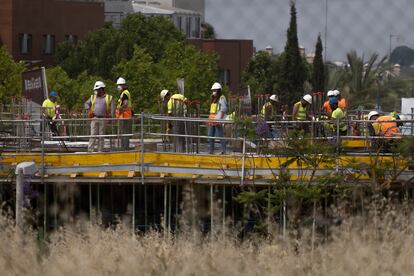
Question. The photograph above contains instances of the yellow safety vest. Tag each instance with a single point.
(108, 100)
(301, 115)
(176, 97)
(50, 108)
(216, 107)
(339, 113)
(119, 103)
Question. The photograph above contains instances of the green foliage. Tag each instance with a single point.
(147, 78)
(260, 72)
(10, 77)
(293, 73)
(318, 73)
(402, 55)
(73, 93)
(100, 51)
(363, 77)
(208, 31)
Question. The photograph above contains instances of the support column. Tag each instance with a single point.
(19, 198)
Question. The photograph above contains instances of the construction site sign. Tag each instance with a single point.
(35, 85)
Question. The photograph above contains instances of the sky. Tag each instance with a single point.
(362, 25)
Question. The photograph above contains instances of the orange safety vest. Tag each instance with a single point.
(341, 104)
(388, 129)
(126, 113)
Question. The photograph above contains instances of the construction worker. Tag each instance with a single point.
(218, 108)
(99, 107)
(301, 112)
(269, 112)
(387, 126)
(124, 112)
(326, 108)
(341, 101)
(49, 108)
(175, 106)
(337, 117)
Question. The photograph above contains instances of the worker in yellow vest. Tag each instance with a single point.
(301, 112)
(218, 108)
(99, 107)
(337, 118)
(176, 106)
(124, 112)
(49, 107)
(269, 112)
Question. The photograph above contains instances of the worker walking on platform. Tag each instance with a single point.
(341, 101)
(218, 108)
(337, 118)
(99, 107)
(124, 112)
(269, 113)
(49, 108)
(176, 106)
(301, 112)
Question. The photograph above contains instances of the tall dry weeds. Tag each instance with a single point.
(354, 248)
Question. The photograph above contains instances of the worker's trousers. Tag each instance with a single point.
(125, 127)
(97, 128)
(216, 131)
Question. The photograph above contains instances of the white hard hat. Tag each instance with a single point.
(336, 92)
(98, 84)
(121, 81)
(308, 98)
(331, 93)
(274, 98)
(372, 113)
(164, 93)
(216, 86)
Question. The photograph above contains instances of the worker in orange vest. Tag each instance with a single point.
(388, 127)
(124, 112)
(341, 102)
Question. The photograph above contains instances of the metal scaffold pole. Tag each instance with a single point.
(211, 211)
(133, 208)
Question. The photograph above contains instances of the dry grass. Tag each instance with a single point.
(383, 247)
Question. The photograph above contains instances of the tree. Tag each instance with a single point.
(147, 77)
(318, 73)
(258, 73)
(402, 55)
(363, 78)
(101, 50)
(10, 77)
(293, 70)
(208, 31)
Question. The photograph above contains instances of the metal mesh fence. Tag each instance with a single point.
(367, 26)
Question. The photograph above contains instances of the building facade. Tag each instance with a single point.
(186, 20)
(30, 30)
(234, 56)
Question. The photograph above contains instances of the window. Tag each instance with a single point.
(71, 39)
(197, 27)
(225, 76)
(25, 43)
(188, 26)
(48, 44)
(179, 23)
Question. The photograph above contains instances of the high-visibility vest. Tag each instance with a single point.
(387, 129)
(50, 108)
(341, 104)
(108, 100)
(175, 99)
(126, 112)
(339, 114)
(301, 115)
(215, 108)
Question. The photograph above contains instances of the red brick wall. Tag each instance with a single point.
(6, 24)
(234, 55)
(55, 17)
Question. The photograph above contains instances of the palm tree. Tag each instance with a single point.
(364, 78)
